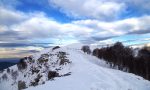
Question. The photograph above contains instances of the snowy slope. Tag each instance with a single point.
(87, 73)
(89, 76)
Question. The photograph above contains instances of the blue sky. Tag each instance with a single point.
(27, 26)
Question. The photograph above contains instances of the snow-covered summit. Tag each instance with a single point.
(68, 68)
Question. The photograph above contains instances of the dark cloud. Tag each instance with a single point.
(91, 40)
(27, 51)
(9, 33)
(102, 38)
(12, 36)
(12, 45)
(140, 32)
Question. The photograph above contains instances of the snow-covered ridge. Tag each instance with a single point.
(68, 68)
(35, 70)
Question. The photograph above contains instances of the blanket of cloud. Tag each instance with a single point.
(70, 21)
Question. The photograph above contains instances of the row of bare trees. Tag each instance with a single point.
(123, 58)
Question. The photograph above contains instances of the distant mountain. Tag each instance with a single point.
(7, 62)
(12, 60)
(4, 65)
(67, 68)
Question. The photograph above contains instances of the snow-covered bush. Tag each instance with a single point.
(52, 74)
(86, 49)
(8, 70)
(5, 77)
(36, 80)
(63, 58)
(34, 70)
(56, 47)
(21, 85)
(42, 60)
(22, 64)
(14, 75)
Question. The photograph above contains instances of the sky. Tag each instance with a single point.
(28, 26)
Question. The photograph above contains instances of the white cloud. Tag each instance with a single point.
(37, 25)
(20, 27)
(8, 16)
(121, 27)
(42, 27)
(97, 9)
(102, 9)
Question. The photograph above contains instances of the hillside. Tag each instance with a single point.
(67, 68)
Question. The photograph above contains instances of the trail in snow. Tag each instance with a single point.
(86, 74)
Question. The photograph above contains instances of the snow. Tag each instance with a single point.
(87, 73)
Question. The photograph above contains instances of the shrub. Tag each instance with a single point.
(14, 75)
(22, 64)
(64, 61)
(8, 70)
(52, 74)
(34, 83)
(123, 58)
(86, 49)
(43, 58)
(96, 52)
(56, 47)
(30, 59)
(4, 77)
(1, 71)
(45, 55)
(36, 80)
(143, 62)
(67, 74)
(63, 58)
(0, 79)
(35, 70)
(21, 85)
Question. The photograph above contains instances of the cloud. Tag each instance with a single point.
(18, 52)
(140, 32)
(42, 27)
(141, 6)
(116, 28)
(23, 33)
(14, 45)
(26, 27)
(9, 4)
(37, 27)
(100, 38)
(96, 9)
(106, 10)
(9, 17)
